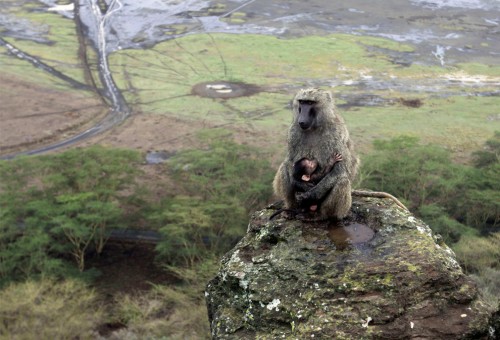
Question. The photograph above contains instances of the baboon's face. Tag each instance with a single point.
(304, 168)
(307, 113)
(308, 166)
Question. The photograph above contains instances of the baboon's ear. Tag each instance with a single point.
(329, 96)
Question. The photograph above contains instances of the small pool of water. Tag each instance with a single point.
(350, 235)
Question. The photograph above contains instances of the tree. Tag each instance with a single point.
(83, 220)
(61, 205)
(420, 174)
(221, 184)
(447, 194)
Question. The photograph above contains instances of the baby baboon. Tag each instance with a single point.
(306, 170)
(316, 133)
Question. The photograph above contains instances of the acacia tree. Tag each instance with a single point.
(83, 220)
(62, 204)
(221, 184)
(451, 196)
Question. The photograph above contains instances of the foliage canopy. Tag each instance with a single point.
(60, 206)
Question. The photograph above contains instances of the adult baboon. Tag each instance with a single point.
(317, 132)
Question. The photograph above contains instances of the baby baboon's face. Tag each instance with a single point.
(305, 167)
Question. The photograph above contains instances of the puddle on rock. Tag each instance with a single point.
(350, 235)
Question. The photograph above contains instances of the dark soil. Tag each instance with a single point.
(32, 115)
(415, 103)
(128, 268)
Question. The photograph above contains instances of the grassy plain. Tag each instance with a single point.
(160, 80)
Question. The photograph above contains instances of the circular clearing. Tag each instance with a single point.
(224, 89)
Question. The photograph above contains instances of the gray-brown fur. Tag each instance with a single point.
(307, 168)
(326, 136)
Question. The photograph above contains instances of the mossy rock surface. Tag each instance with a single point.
(380, 273)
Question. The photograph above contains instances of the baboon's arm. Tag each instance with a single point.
(317, 176)
(301, 186)
(320, 190)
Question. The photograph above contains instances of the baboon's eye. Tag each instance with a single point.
(300, 109)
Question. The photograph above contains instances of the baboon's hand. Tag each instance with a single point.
(303, 199)
(320, 190)
(301, 186)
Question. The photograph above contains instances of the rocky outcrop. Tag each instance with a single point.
(379, 274)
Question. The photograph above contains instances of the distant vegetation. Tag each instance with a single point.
(221, 185)
(57, 211)
(459, 202)
(58, 208)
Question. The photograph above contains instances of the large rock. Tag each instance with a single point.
(378, 274)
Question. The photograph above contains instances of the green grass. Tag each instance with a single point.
(62, 52)
(161, 78)
(462, 124)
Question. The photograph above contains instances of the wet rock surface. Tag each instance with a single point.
(380, 273)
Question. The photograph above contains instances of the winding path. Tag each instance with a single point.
(110, 93)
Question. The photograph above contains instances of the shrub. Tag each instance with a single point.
(162, 312)
(420, 174)
(424, 176)
(476, 253)
(48, 309)
(170, 312)
(222, 184)
(488, 281)
(490, 154)
(450, 229)
(480, 256)
(59, 206)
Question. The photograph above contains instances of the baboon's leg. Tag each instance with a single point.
(283, 188)
(338, 202)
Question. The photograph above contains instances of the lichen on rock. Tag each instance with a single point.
(377, 274)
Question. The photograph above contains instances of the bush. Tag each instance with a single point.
(169, 312)
(162, 312)
(480, 256)
(60, 206)
(222, 184)
(450, 229)
(490, 154)
(48, 309)
(438, 189)
(477, 253)
(419, 174)
(488, 281)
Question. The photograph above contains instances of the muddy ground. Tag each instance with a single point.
(32, 115)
